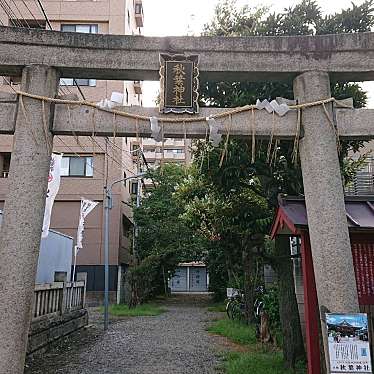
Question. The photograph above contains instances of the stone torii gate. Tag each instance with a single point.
(41, 57)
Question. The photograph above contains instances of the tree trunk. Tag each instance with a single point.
(248, 285)
(293, 344)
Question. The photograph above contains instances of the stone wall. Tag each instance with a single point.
(51, 327)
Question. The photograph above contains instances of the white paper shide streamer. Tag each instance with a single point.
(86, 207)
(54, 178)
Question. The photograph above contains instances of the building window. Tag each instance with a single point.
(127, 226)
(5, 164)
(134, 188)
(124, 178)
(138, 8)
(73, 166)
(134, 147)
(86, 29)
(127, 96)
(80, 82)
(29, 23)
(128, 18)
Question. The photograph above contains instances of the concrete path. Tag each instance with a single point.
(175, 342)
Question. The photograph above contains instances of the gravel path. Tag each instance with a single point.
(175, 342)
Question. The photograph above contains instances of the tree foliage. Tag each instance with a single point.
(305, 18)
(163, 239)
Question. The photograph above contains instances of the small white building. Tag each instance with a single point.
(55, 256)
(190, 277)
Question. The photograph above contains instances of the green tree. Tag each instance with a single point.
(163, 240)
(226, 204)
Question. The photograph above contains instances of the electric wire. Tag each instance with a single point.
(23, 19)
(12, 17)
(140, 150)
(77, 154)
(9, 83)
(44, 13)
(112, 157)
(32, 14)
(61, 88)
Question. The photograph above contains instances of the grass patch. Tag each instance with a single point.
(257, 362)
(235, 331)
(217, 307)
(122, 310)
(256, 359)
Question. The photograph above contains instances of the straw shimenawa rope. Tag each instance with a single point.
(227, 113)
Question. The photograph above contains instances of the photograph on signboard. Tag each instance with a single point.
(348, 341)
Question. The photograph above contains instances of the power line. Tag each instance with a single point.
(60, 87)
(23, 19)
(32, 14)
(10, 13)
(44, 14)
(78, 155)
(111, 157)
(79, 89)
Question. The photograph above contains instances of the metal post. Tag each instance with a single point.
(136, 232)
(108, 205)
(73, 276)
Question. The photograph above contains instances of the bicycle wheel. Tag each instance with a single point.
(229, 309)
(237, 313)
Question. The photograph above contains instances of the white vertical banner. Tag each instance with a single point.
(86, 207)
(54, 178)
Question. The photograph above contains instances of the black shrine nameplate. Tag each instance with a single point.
(179, 80)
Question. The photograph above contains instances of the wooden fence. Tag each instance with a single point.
(58, 298)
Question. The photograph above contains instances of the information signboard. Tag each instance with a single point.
(348, 341)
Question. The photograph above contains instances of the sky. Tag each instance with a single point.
(187, 17)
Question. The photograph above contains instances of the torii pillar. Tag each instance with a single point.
(23, 216)
(324, 198)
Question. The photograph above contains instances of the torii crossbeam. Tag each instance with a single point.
(43, 56)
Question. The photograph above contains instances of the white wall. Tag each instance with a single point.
(55, 255)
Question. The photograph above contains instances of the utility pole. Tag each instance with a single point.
(136, 229)
(108, 205)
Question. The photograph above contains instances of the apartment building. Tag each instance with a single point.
(171, 150)
(88, 164)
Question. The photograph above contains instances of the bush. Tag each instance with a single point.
(145, 280)
(270, 299)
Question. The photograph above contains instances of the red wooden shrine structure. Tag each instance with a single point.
(291, 219)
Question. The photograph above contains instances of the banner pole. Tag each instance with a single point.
(73, 276)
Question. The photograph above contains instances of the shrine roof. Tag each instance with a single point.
(292, 214)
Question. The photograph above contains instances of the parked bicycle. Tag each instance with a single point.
(258, 308)
(235, 307)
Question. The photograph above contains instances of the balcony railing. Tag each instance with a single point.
(363, 182)
(139, 15)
